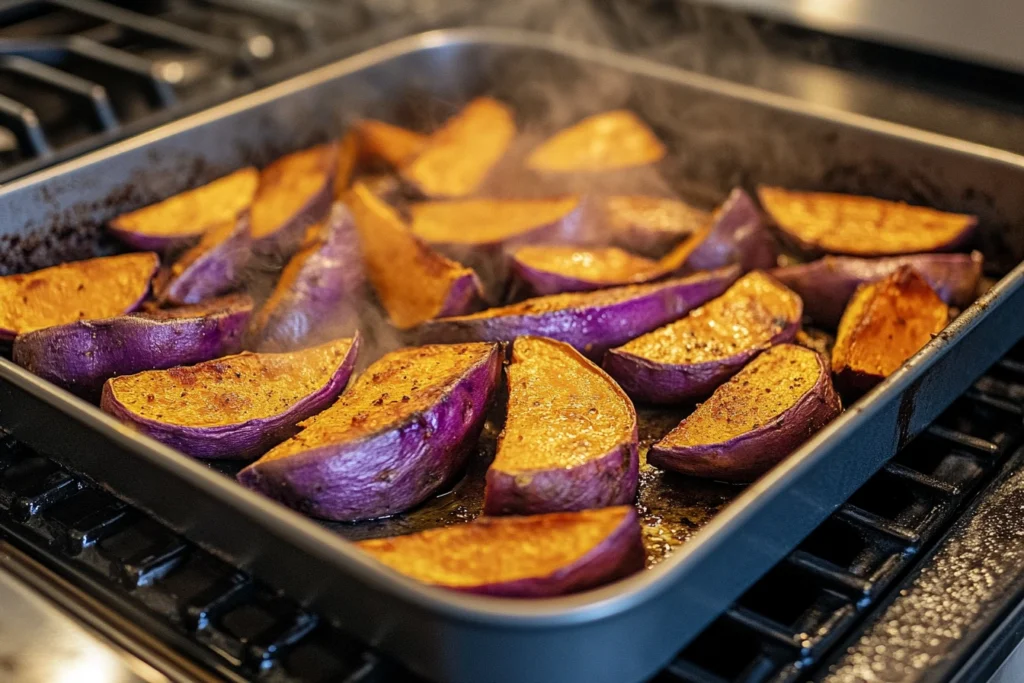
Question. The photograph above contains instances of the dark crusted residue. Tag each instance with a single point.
(908, 402)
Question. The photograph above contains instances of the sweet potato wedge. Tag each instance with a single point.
(394, 145)
(487, 223)
(524, 557)
(691, 357)
(651, 226)
(736, 235)
(315, 297)
(886, 323)
(413, 282)
(295, 192)
(591, 322)
(180, 220)
(80, 290)
(757, 418)
(397, 436)
(570, 437)
(461, 153)
(826, 285)
(822, 222)
(233, 407)
(212, 267)
(602, 142)
(82, 355)
(553, 269)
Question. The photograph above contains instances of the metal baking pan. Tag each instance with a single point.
(719, 135)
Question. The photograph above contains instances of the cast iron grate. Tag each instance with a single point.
(76, 74)
(805, 605)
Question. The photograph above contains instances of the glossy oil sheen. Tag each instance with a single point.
(602, 142)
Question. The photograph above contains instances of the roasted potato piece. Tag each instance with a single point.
(602, 142)
(394, 145)
(863, 226)
(886, 322)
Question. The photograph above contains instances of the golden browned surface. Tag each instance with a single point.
(393, 144)
(210, 239)
(230, 390)
(653, 213)
(81, 290)
(192, 212)
(850, 224)
(287, 184)
(608, 265)
(771, 384)
(392, 390)
(676, 258)
(348, 157)
(603, 142)
(562, 409)
(748, 315)
(560, 302)
(484, 221)
(412, 281)
(498, 549)
(887, 322)
(461, 153)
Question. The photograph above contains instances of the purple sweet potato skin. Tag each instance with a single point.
(214, 272)
(591, 330)
(749, 455)
(609, 480)
(738, 235)
(81, 356)
(826, 285)
(652, 382)
(238, 441)
(342, 482)
(289, 233)
(320, 304)
(620, 554)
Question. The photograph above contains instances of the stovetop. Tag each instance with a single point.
(906, 582)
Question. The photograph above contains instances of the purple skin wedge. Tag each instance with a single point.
(648, 368)
(390, 469)
(738, 235)
(240, 440)
(591, 462)
(826, 285)
(591, 322)
(747, 456)
(616, 555)
(314, 300)
(81, 356)
(213, 268)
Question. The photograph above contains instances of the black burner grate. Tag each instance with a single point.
(76, 74)
(803, 607)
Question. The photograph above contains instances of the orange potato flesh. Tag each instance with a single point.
(229, 390)
(191, 213)
(486, 221)
(288, 184)
(348, 157)
(81, 290)
(885, 323)
(563, 410)
(413, 283)
(771, 384)
(462, 153)
(394, 145)
(603, 142)
(403, 384)
(604, 265)
(670, 217)
(750, 314)
(863, 226)
(498, 550)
